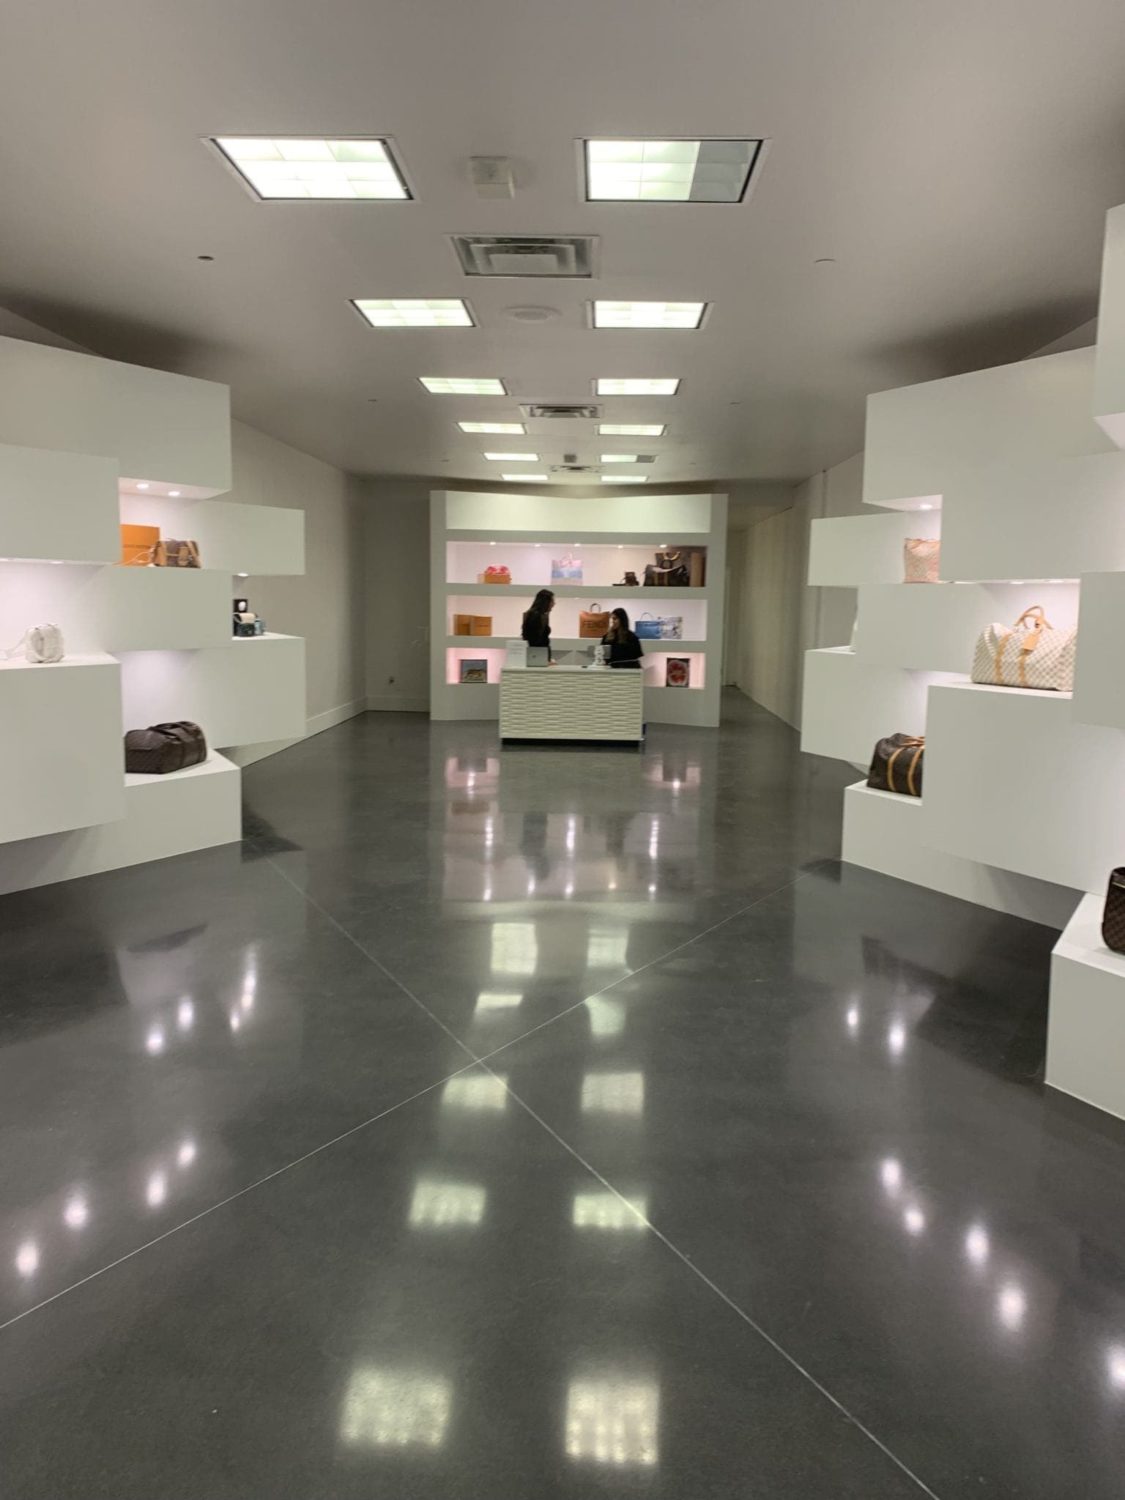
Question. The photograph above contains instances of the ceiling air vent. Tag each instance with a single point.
(584, 411)
(573, 468)
(526, 254)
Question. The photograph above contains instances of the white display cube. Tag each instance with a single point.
(260, 540)
(935, 626)
(848, 706)
(1014, 780)
(152, 609)
(1099, 683)
(158, 426)
(61, 757)
(1086, 1023)
(849, 551)
(923, 438)
(61, 507)
(243, 693)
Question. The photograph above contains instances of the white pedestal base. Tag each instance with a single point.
(1086, 1029)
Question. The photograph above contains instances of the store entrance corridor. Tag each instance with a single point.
(544, 1123)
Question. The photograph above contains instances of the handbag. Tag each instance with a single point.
(628, 582)
(647, 628)
(41, 644)
(668, 571)
(566, 568)
(921, 556)
(472, 624)
(499, 574)
(672, 627)
(1113, 917)
(896, 765)
(172, 554)
(592, 623)
(138, 543)
(164, 747)
(1032, 654)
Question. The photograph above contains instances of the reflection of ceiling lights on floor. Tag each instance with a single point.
(613, 1093)
(607, 1015)
(497, 1000)
(443, 1205)
(395, 1409)
(605, 1210)
(476, 1091)
(515, 948)
(613, 1421)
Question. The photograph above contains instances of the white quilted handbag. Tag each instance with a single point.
(1032, 654)
(41, 643)
(921, 558)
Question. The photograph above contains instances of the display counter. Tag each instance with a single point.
(571, 703)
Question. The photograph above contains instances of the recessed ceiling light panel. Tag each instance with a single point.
(607, 385)
(619, 458)
(648, 314)
(415, 312)
(670, 171)
(463, 385)
(310, 167)
(512, 458)
(506, 429)
(632, 429)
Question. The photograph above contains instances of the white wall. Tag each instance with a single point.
(396, 549)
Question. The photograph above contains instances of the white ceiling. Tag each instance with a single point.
(955, 159)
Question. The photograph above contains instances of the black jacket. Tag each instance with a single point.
(537, 631)
(625, 652)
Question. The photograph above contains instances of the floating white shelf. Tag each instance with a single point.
(60, 747)
(565, 539)
(608, 596)
(1036, 519)
(847, 551)
(1013, 780)
(261, 540)
(884, 831)
(59, 507)
(1086, 1025)
(848, 706)
(152, 609)
(156, 425)
(923, 438)
(935, 626)
(1109, 367)
(574, 643)
(245, 692)
(163, 816)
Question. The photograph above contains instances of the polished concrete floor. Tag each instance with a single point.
(546, 1123)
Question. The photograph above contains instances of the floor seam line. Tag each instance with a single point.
(233, 1197)
(713, 1286)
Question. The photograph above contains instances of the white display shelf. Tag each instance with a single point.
(1013, 780)
(260, 540)
(163, 816)
(884, 831)
(158, 426)
(603, 592)
(1042, 519)
(1109, 365)
(569, 537)
(848, 706)
(849, 551)
(934, 627)
(540, 516)
(574, 643)
(59, 507)
(921, 439)
(1086, 1022)
(246, 692)
(1099, 683)
(60, 747)
(152, 609)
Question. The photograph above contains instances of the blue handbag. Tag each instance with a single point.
(647, 628)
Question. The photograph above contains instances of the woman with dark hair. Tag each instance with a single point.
(625, 649)
(537, 621)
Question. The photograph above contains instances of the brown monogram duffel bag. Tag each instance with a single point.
(164, 747)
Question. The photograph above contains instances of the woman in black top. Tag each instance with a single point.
(537, 621)
(625, 649)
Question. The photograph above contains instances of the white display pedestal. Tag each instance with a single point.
(1086, 1029)
(571, 703)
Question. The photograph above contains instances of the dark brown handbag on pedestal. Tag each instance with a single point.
(896, 765)
(164, 747)
(1113, 918)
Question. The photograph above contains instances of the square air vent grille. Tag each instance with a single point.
(583, 411)
(565, 255)
(573, 468)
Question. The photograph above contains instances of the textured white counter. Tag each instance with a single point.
(571, 703)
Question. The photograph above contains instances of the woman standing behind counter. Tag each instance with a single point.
(537, 622)
(625, 649)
